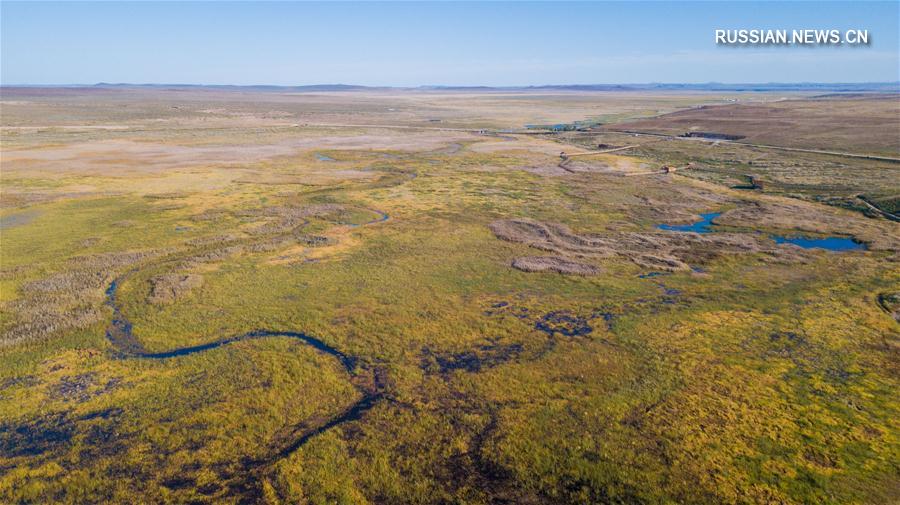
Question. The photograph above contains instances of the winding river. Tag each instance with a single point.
(120, 335)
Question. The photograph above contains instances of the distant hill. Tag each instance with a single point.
(256, 87)
(712, 86)
(882, 87)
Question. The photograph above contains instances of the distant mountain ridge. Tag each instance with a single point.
(893, 87)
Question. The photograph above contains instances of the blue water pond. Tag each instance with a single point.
(827, 243)
(702, 226)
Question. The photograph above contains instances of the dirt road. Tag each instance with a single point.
(760, 146)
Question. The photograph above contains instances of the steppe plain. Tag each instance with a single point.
(261, 296)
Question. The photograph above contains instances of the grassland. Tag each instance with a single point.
(863, 124)
(663, 367)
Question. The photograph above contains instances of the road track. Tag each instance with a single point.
(886, 214)
(759, 146)
(605, 151)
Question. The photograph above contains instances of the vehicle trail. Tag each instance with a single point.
(758, 146)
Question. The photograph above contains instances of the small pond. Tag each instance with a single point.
(702, 226)
(828, 243)
(18, 219)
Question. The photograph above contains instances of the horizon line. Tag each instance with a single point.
(104, 84)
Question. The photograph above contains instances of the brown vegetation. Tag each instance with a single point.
(67, 300)
(867, 124)
(169, 287)
(553, 264)
(810, 218)
(890, 302)
(669, 251)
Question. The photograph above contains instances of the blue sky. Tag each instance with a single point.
(411, 44)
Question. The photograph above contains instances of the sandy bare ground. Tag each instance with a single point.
(104, 155)
(510, 109)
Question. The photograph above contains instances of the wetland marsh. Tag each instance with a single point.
(213, 296)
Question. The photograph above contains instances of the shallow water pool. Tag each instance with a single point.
(702, 226)
(827, 243)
